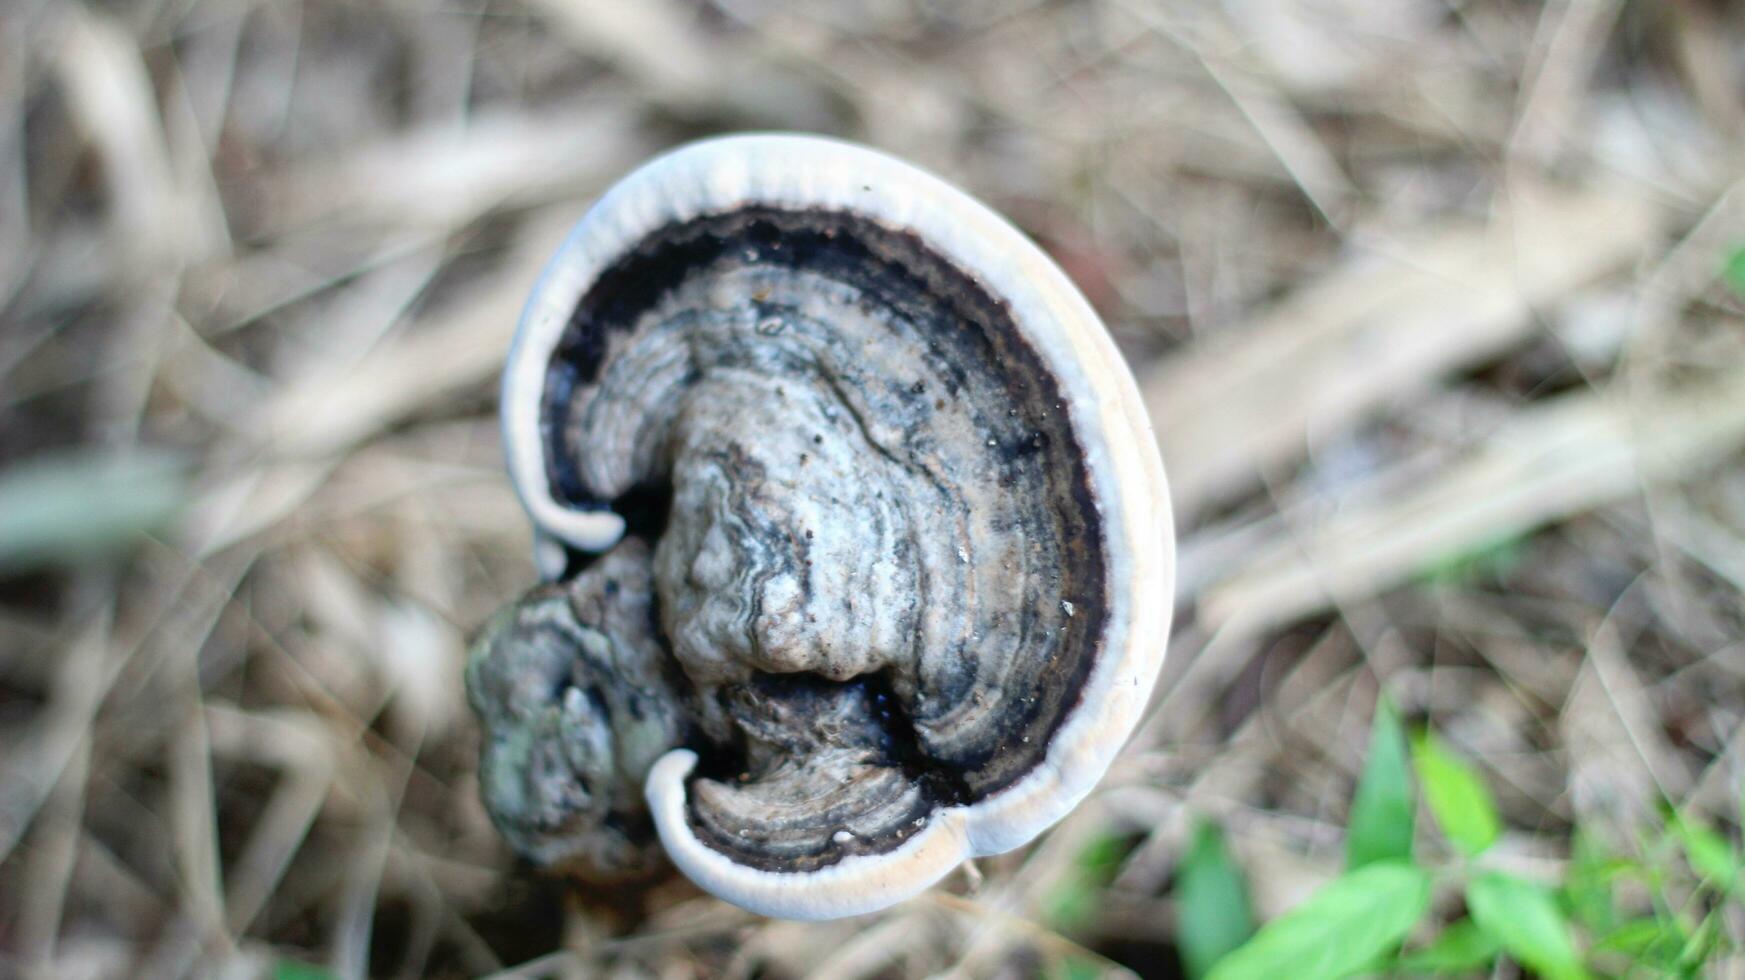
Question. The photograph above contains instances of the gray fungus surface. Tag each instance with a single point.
(872, 556)
(864, 571)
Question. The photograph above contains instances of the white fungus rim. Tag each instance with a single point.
(1125, 472)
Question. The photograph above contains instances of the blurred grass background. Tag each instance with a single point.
(1437, 304)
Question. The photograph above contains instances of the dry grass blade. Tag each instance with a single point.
(195, 817)
(50, 875)
(1548, 463)
(39, 758)
(1399, 281)
(1621, 767)
(301, 750)
(441, 178)
(655, 43)
(334, 406)
(681, 66)
(1409, 310)
(112, 96)
(1577, 32)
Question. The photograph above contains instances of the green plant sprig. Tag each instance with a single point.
(1374, 919)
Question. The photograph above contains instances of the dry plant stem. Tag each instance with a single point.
(559, 963)
(985, 918)
(439, 179)
(195, 823)
(278, 238)
(1548, 463)
(1570, 39)
(112, 95)
(338, 405)
(1407, 311)
(38, 762)
(876, 949)
(301, 751)
(1624, 767)
(51, 864)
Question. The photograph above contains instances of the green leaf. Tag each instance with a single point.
(296, 970)
(1070, 905)
(1525, 921)
(76, 506)
(1077, 968)
(1340, 930)
(1212, 911)
(1073, 902)
(1651, 942)
(1456, 795)
(1711, 855)
(1481, 561)
(1102, 857)
(1381, 811)
(1733, 270)
(1462, 948)
(1587, 885)
(1701, 945)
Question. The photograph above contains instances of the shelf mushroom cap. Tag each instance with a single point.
(912, 549)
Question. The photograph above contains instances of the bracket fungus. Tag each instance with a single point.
(858, 547)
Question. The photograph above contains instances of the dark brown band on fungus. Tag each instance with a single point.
(929, 727)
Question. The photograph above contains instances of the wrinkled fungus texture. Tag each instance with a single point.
(577, 702)
(876, 559)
